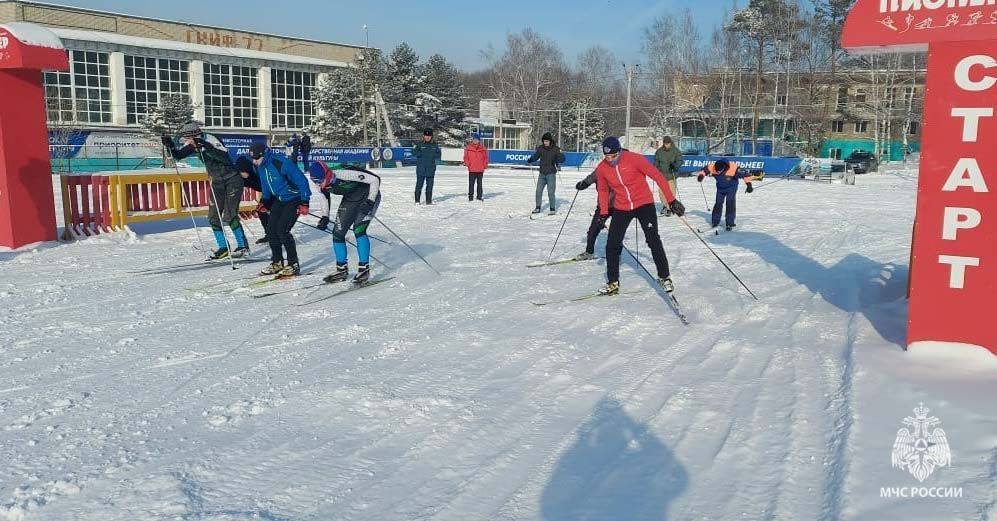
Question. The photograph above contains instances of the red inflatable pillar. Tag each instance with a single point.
(954, 258)
(27, 203)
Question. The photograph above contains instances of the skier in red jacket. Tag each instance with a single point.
(624, 174)
(476, 160)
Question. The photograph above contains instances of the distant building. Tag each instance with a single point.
(499, 128)
(241, 82)
(829, 115)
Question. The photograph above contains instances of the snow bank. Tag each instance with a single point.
(954, 355)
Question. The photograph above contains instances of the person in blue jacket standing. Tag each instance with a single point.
(727, 175)
(285, 197)
(426, 153)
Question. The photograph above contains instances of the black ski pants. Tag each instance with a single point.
(283, 215)
(648, 219)
(474, 178)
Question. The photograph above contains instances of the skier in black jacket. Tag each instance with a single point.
(550, 157)
(226, 185)
(251, 179)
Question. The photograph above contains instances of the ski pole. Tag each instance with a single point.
(562, 224)
(771, 183)
(745, 286)
(389, 243)
(184, 201)
(347, 242)
(218, 211)
(406, 245)
(705, 200)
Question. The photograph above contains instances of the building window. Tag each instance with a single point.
(146, 79)
(791, 125)
(230, 96)
(861, 127)
(59, 97)
(838, 126)
(913, 128)
(860, 95)
(291, 98)
(781, 100)
(834, 153)
(842, 97)
(82, 95)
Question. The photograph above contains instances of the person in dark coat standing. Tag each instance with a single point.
(550, 157)
(668, 161)
(306, 149)
(251, 179)
(426, 153)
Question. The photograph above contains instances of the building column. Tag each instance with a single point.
(265, 101)
(195, 74)
(116, 69)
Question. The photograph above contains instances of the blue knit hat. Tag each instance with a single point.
(611, 145)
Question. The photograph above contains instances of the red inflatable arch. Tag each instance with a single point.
(27, 204)
(954, 257)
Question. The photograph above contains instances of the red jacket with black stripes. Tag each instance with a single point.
(627, 180)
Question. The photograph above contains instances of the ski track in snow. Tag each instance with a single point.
(171, 396)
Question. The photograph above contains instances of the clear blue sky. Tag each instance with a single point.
(457, 30)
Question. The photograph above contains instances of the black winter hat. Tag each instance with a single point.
(548, 137)
(257, 150)
(427, 132)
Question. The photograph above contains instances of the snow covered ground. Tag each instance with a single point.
(127, 396)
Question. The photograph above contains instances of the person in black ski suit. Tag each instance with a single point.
(251, 179)
(550, 156)
(306, 150)
(361, 196)
(226, 185)
(598, 223)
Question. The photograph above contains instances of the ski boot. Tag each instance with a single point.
(291, 270)
(220, 253)
(536, 210)
(273, 269)
(363, 274)
(584, 256)
(666, 284)
(553, 211)
(731, 227)
(263, 240)
(665, 212)
(342, 272)
(610, 289)
(240, 252)
(323, 223)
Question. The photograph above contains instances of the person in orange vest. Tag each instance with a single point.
(727, 175)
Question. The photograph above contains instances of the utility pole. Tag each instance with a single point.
(363, 86)
(559, 142)
(630, 71)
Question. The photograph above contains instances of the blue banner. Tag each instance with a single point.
(770, 165)
(519, 157)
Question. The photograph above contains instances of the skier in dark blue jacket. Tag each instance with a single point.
(285, 196)
(727, 175)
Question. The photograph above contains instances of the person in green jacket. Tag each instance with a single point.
(668, 160)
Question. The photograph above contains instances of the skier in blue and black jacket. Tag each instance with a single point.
(727, 175)
(285, 197)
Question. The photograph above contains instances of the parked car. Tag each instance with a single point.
(862, 162)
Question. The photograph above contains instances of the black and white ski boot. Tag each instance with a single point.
(273, 269)
(553, 211)
(731, 227)
(240, 252)
(584, 256)
(342, 273)
(220, 253)
(536, 210)
(363, 274)
(666, 284)
(610, 289)
(291, 270)
(323, 223)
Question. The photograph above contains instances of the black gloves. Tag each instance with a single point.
(581, 185)
(167, 141)
(677, 208)
(602, 221)
(699, 178)
(750, 188)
